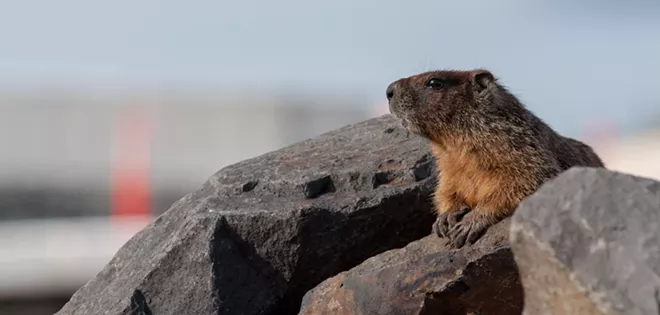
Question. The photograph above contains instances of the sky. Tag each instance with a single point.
(570, 62)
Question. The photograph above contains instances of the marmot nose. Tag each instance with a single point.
(389, 93)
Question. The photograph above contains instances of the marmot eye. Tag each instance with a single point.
(434, 83)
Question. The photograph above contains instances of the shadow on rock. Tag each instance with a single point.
(425, 277)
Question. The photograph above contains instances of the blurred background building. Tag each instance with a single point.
(112, 110)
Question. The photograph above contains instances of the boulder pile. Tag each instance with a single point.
(341, 224)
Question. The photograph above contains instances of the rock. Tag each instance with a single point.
(259, 234)
(426, 277)
(587, 242)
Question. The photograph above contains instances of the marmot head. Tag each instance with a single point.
(434, 103)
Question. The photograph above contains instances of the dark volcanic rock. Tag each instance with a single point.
(588, 242)
(426, 277)
(262, 232)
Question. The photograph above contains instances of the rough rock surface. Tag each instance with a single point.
(262, 232)
(588, 242)
(426, 277)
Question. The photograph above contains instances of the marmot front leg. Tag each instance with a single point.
(450, 211)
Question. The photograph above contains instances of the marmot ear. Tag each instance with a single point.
(482, 78)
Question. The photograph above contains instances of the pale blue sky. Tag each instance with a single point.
(569, 62)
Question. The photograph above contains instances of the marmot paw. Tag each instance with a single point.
(447, 220)
(468, 230)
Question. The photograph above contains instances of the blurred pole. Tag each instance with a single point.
(131, 195)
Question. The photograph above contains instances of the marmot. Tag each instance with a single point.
(490, 150)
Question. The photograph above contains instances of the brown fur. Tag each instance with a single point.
(490, 150)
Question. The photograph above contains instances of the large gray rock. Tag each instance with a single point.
(262, 232)
(588, 242)
(426, 277)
